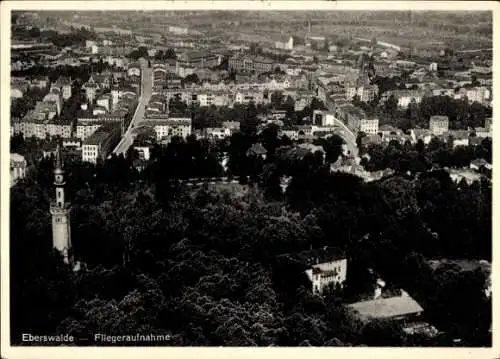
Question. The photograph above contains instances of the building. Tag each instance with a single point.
(292, 134)
(439, 125)
(86, 129)
(259, 64)
(134, 70)
(404, 97)
(316, 41)
(480, 163)
(257, 151)
(54, 97)
(474, 94)
(159, 74)
(64, 86)
(325, 267)
(144, 152)
(361, 88)
(323, 118)
(100, 144)
(90, 88)
(73, 143)
(217, 133)
(18, 90)
(232, 125)
(284, 43)
(196, 59)
(215, 98)
(167, 127)
(17, 168)
(178, 30)
(458, 137)
(399, 308)
(60, 211)
(41, 128)
(246, 97)
(356, 119)
(488, 124)
(421, 134)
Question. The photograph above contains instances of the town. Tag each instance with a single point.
(197, 177)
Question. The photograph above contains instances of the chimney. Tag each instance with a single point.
(379, 285)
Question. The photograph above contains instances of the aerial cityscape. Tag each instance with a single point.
(251, 178)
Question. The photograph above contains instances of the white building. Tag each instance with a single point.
(218, 132)
(439, 125)
(369, 126)
(144, 152)
(166, 128)
(134, 70)
(327, 272)
(323, 118)
(90, 152)
(17, 168)
(285, 43)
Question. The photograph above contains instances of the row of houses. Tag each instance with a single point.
(438, 128)
(478, 94)
(219, 98)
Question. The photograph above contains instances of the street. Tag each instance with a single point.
(146, 91)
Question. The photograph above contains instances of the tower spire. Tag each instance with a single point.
(58, 164)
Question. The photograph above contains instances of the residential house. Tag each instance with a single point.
(439, 125)
(421, 134)
(458, 137)
(18, 166)
(284, 43)
(40, 81)
(259, 64)
(324, 267)
(197, 59)
(404, 97)
(323, 118)
(217, 133)
(63, 84)
(361, 88)
(481, 132)
(134, 69)
(167, 127)
(257, 150)
(480, 163)
(488, 124)
(231, 125)
(246, 97)
(100, 144)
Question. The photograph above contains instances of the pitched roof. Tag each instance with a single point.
(387, 307)
(320, 255)
(256, 149)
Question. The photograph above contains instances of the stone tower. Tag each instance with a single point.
(60, 211)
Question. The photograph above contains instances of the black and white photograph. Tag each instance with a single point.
(248, 178)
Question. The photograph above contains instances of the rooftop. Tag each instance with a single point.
(102, 133)
(387, 307)
(463, 264)
(194, 55)
(321, 255)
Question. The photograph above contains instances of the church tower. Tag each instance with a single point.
(60, 211)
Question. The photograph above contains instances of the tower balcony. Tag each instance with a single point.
(55, 208)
